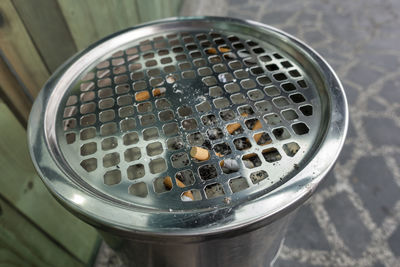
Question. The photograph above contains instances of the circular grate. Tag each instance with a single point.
(189, 119)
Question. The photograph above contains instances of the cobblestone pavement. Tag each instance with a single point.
(354, 218)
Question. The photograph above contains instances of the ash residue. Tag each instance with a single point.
(242, 143)
(208, 172)
(222, 149)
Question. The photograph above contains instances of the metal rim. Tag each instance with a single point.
(100, 211)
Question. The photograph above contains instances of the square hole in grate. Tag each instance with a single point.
(248, 84)
(150, 134)
(88, 96)
(250, 61)
(208, 172)
(170, 69)
(272, 91)
(225, 77)
(142, 96)
(186, 177)
(153, 72)
(286, 64)
(88, 148)
(166, 60)
(175, 143)
(130, 138)
(87, 108)
(85, 121)
(112, 177)
(70, 111)
(281, 133)
(209, 80)
(214, 190)
(229, 166)
(154, 149)
(291, 149)
(281, 101)
(125, 111)
(258, 176)
(180, 160)
(89, 164)
(215, 133)
(251, 161)
(227, 115)
(127, 124)
(138, 75)
(111, 159)
(185, 66)
(253, 124)
(238, 98)
(205, 71)
(199, 62)
(121, 79)
(238, 45)
(184, 111)
(191, 195)
(222, 149)
(87, 133)
(195, 139)
(255, 95)
(262, 139)
(221, 102)
(188, 74)
(108, 129)
(218, 68)
(139, 85)
(106, 103)
(272, 67)
(302, 83)
(265, 58)
(215, 91)
(166, 115)
(271, 154)
(101, 83)
(70, 137)
(232, 87)
(300, 128)
(256, 71)
(235, 65)
(238, 184)
(189, 124)
(242, 143)
(263, 80)
(234, 128)
(135, 66)
(161, 185)
(272, 119)
(157, 165)
(297, 98)
(135, 171)
(203, 107)
(148, 119)
(132, 154)
(241, 74)
(138, 189)
(307, 110)
(294, 73)
(290, 114)
(279, 76)
(288, 87)
(105, 92)
(163, 103)
(124, 100)
(144, 107)
(209, 119)
(245, 111)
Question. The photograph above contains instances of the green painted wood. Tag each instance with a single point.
(21, 239)
(46, 26)
(20, 185)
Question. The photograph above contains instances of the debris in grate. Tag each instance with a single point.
(229, 165)
(214, 190)
(258, 176)
(199, 153)
(222, 149)
(281, 133)
(168, 184)
(234, 128)
(208, 172)
(291, 148)
(251, 161)
(242, 143)
(262, 139)
(245, 111)
(253, 124)
(209, 119)
(138, 189)
(271, 154)
(175, 143)
(238, 184)
(300, 128)
(215, 133)
(157, 165)
(135, 171)
(227, 115)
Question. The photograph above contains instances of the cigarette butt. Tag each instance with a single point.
(230, 164)
(233, 127)
(199, 153)
(211, 51)
(168, 184)
(141, 96)
(257, 137)
(219, 154)
(257, 125)
(248, 156)
(224, 49)
(159, 91)
(244, 114)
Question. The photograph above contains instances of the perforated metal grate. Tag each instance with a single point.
(131, 121)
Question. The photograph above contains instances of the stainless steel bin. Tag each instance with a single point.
(189, 141)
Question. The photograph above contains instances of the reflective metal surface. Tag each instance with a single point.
(122, 115)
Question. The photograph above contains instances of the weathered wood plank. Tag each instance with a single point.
(20, 185)
(19, 49)
(49, 32)
(14, 94)
(24, 240)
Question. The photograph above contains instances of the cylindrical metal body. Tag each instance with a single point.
(191, 141)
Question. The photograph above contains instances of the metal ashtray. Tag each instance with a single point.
(189, 142)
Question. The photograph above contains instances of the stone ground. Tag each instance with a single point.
(354, 218)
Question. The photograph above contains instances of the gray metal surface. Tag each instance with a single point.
(105, 153)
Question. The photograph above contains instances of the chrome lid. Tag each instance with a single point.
(117, 132)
